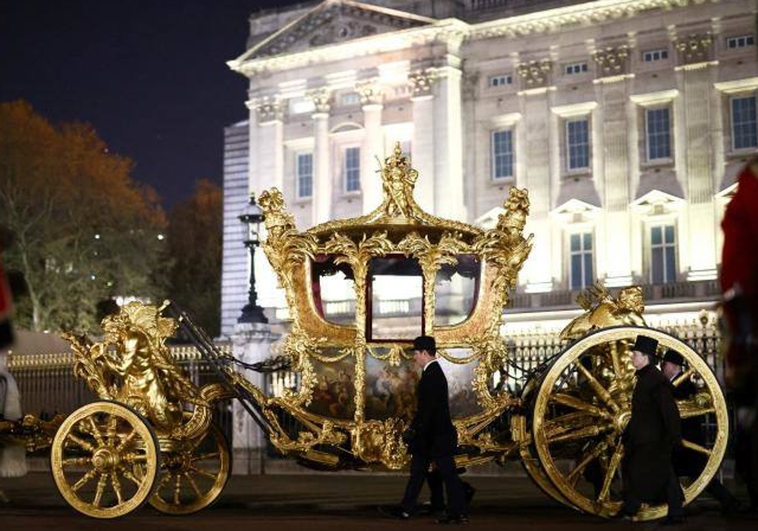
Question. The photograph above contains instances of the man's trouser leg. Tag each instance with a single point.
(456, 505)
(419, 467)
(674, 496)
(436, 487)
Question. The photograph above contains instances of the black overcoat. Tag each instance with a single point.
(434, 433)
(687, 462)
(654, 430)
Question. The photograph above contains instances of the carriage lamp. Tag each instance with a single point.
(252, 217)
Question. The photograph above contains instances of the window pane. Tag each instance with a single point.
(455, 290)
(575, 243)
(588, 273)
(576, 271)
(577, 141)
(305, 175)
(658, 137)
(657, 265)
(502, 154)
(588, 241)
(655, 236)
(744, 122)
(397, 287)
(670, 264)
(669, 234)
(352, 169)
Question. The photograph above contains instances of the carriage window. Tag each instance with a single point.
(333, 290)
(395, 299)
(455, 290)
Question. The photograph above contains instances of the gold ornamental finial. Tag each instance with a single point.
(398, 181)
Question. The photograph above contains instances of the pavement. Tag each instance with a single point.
(333, 502)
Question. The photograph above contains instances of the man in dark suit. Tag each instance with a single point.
(689, 463)
(432, 436)
(653, 432)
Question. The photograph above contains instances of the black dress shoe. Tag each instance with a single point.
(395, 513)
(453, 520)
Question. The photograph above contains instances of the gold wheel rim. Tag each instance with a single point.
(609, 411)
(193, 476)
(93, 454)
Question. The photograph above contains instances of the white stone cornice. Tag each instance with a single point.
(657, 197)
(737, 85)
(576, 109)
(696, 66)
(612, 79)
(654, 98)
(504, 120)
(440, 31)
(536, 91)
(574, 206)
(551, 20)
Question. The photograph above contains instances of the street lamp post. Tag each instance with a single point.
(252, 217)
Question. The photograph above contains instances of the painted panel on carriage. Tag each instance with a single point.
(460, 377)
(390, 390)
(334, 390)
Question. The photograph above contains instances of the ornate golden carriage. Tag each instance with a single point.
(151, 437)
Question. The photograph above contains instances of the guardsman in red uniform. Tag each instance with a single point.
(739, 285)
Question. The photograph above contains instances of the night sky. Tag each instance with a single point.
(150, 76)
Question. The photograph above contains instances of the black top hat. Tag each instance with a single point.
(646, 345)
(425, 343)
(672, 356)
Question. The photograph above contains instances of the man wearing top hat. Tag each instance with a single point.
(689, 463)
(650, 438)
(432, 436)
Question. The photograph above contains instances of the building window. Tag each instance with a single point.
(502, 154)
(352, 169)
(651, 56)
(575, 68)
(350, 98)
(578, 144)
(304, 174)
(500, 80)
(742, 41)
(744, 123)
(658, 133)
(662, 254)
(581, 273)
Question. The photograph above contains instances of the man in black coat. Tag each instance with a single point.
(687, 462)
(653, 432)
(432, 436)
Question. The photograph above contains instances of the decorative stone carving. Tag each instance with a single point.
(369, 91)
(421, 82)
(612, 61)
(694, 48)
(269, 109)
(320, 98)
(534, 73)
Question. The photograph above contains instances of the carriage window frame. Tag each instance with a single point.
(370, 304)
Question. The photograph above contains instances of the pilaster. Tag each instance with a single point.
(322, 181)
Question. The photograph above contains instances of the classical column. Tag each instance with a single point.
(373, 143)
(422, 143)
(535, 107)
(448, 144)
(612, 89)
(695, 80)
(270, 159)
(322, 189)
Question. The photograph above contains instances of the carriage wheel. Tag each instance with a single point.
(93, 456)
(584, 404)
(193, 474)
(528, 452)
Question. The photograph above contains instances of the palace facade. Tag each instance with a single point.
(627, 121)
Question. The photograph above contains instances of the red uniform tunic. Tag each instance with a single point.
(739, 263)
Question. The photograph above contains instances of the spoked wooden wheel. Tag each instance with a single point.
(584, 404)
(193, 473)
(93, 456)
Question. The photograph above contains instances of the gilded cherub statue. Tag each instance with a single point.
(134, 351)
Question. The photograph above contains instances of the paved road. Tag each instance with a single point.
(328, 502)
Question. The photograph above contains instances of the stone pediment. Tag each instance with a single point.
(334, 22)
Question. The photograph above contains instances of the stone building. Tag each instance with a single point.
(627, 120)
